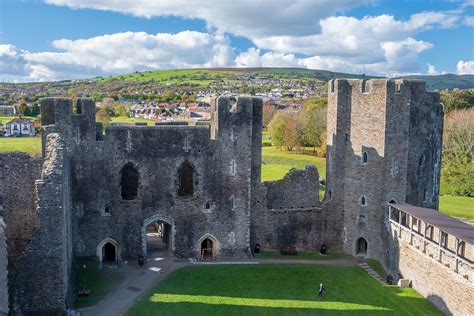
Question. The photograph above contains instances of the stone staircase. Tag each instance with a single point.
(371, 272)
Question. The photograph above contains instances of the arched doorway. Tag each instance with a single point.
(158, 236)
(108, 252)
(158, 239)
(207, 247)
(361, 247)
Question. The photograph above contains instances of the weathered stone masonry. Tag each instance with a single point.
(91, 189)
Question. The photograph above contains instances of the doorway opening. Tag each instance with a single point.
(361, 247)
(208, 249)
(109, 254)
(158, 239)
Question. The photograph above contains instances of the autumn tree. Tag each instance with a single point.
(458, 152)
(268, 112)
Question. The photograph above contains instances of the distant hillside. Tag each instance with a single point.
(204, 76)
(448, 81)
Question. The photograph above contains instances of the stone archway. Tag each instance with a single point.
(361, 247)
(207, 247)
(170, 237)
(109, 252)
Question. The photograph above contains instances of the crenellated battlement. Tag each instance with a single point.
(375, 86)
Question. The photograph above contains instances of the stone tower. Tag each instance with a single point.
(384, 145)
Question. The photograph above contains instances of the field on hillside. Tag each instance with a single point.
(174, 77)
(277, 290)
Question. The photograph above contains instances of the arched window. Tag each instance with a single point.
(365, 157)
(363, 200)
(186, 179)
(421, 161)
(129, 182)
(425, 195)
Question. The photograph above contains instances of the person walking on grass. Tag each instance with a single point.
(321, 290)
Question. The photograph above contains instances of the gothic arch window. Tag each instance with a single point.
(363, 200)
(186, 179)
(425, 195)
(365, 157)
(129, 182)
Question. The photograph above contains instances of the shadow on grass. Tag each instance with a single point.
(277, 290)
(100, 281)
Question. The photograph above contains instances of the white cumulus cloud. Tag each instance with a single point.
(116, 54)
(249, 18)
(465, 67)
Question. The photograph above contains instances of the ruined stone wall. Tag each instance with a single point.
(219, 208)
(297, 190)
(18, 172)
(3, 267)
(41, 282)
(288, 214)
(435, 279)
(306, 229)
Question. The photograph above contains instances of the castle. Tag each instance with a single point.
(93, 194)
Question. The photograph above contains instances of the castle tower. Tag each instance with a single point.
(384, 145)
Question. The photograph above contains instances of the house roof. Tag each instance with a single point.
(20, 120)
(446, 223)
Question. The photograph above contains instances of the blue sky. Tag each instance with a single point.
(67, 39)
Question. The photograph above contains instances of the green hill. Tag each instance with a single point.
(205, 76)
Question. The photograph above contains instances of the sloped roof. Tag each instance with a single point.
(446, 223)
(20, 120)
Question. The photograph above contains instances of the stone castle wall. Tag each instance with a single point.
(223, 156)
(288, 214)
(76, 204)
(47, 288)
(377, 132)
(3, 267)
(437, 280)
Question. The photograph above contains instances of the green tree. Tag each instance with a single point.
(315, 122)
(103, 115)
(277, 127)
(458, 152)
(457, 99)
(35, 110)
(24, 109)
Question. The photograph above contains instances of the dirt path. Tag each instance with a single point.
(137, 283)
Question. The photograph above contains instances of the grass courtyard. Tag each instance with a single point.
(277, 290)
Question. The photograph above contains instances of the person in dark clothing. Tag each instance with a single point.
(389, 279)
(321, 289)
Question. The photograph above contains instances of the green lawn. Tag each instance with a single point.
(377, 267)
(29, 145)
(131, 120)
(99, 281)
(457, 206)
(299, 255)
(277, 290)
(274, 160)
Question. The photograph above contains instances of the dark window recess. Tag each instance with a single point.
(208, 205)
(186, 179)
(365, 157)
(107, 210)
(129, 182)
(363, 201)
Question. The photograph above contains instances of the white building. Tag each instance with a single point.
(20, 127)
